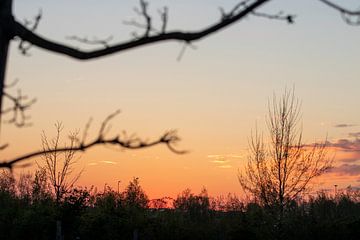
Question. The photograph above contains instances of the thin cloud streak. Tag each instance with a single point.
(220, 161)
(224, 160)
(346, 169)
(225, 166)
(108, 162)
(354, 134)
(345, 145)
(344, 125)
(349, 160)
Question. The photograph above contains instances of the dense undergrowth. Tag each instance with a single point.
(28, 210)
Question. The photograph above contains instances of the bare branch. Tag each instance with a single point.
(169, 138)
(19, 105)
(11, 84)
(339, 8)
(94, 41)
(351, 17)
(183, 50)
(148, 20)
(87, 126)
(289, 18)
(144, 12)
(139, 25)
(27, 35)
(24, 46)
(2, 147)
(164, 18)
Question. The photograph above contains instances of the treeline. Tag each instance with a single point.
(29, 210)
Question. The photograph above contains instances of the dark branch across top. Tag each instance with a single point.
(25, 34)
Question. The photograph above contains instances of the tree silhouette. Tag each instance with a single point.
(280, 169)
(59, 168)
(11, 29)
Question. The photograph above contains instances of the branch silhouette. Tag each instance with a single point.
(289, 18)
(24, 46)
(169, 138)
(94, 41)
(339, 8)
(240, 11)
(345, 13)
(19, 105)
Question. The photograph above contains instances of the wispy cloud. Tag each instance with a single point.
(225, 166)
(346, 145)
(226, 157)
(224, 160)
(347, 154)
(354, 134)
(349, 160)
(346, 169)
(344, 125)
(92, 164)
(108, 162)
(220, 161)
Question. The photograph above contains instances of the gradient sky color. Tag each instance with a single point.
(213, 96)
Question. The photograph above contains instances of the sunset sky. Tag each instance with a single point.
(213, 96)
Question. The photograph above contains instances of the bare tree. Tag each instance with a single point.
(59, 164)
(11, 29)
(280, 169)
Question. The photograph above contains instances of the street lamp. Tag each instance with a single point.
(118, 183)
(335, 189)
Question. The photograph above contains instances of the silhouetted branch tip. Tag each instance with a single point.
(94, 41)
(18, 106)
(4, 146)
(183, 50)
(164, 18)
(25, 46)
(171, 138)
(289, 18)
(106, 121)
(149, 28)
(12, 84)
(237, 8)
(351, 17)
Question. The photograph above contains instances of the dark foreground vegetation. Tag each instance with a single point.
(29, 210)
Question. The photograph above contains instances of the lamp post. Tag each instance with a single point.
(118, 185)
(335, 189)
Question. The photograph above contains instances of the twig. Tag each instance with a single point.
(339, 8)
(279, 16)
(345, 13)
(94, 41)
(24, 46)
(164, 15)
(20, 104)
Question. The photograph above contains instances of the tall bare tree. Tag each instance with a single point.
(59, 165)
(281, 167)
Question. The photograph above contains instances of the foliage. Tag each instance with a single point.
(88, 214)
